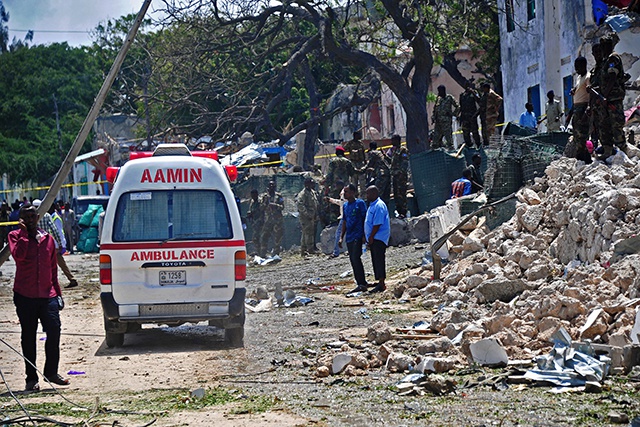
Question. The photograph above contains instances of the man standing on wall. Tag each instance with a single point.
(377, 229)
(489, 112)
(578, 114)
(443, 111)
(399, 174)
(469, 115)
(553, 111)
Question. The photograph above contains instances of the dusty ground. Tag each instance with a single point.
(270, 381)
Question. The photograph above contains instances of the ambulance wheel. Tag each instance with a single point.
(234, 336)
(114, 339)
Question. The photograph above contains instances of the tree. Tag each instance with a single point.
(396, 42)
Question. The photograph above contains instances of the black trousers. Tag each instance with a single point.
(30, 311)
(378, 251)
(355, 257)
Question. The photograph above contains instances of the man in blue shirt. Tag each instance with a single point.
(377, 229)
(528, 118)
(462, 186)
(353, 214)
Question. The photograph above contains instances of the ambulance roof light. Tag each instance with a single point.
(112, 174)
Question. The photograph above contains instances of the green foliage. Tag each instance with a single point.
(29, 79)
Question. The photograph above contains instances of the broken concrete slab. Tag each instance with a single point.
(489, 352)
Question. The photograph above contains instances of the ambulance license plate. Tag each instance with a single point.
(173, 277)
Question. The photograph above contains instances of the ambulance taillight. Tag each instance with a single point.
(232, 172)
(105, 270)
(112, 174)
(241, 265)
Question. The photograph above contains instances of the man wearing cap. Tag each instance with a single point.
(308, 212)
(46, 223)
(35, 295)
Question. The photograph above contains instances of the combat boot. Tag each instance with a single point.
(607, 151)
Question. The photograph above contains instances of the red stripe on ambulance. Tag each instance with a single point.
(170, 175)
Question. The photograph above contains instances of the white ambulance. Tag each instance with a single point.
(172, 247)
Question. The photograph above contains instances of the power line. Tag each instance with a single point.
(51, 31)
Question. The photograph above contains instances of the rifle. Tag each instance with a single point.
(601, 98)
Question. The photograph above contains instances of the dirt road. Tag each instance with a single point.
(271, 381)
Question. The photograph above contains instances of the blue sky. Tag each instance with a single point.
(73, 18)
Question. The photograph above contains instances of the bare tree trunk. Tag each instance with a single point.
(314, 111)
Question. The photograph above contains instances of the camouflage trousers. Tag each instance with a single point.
(256, 236)
(272, 227)
(489, 128)
(307, 241)
(580, 124)
(469, 128)
(359, 179)
(400, 193)
(611, 125)
(442, 129)
(383, 182)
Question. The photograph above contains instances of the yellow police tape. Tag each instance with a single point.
(9, 223)
(79, 184)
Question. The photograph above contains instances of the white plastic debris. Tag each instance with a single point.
(489, 352)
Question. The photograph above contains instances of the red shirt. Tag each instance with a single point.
(36, 264)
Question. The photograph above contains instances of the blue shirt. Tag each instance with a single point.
(460, 187)
(377, 214)
(528, 120)
(353, 213)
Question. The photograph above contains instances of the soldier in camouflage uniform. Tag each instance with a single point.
(308, 211)
(490, 103)
(595, 107)
(446, 107)
(378, 168)
(256, 216)
(355, 153)
(272, 205)
(340, 171)
(469, 115)
(400, 175)
(612, 79)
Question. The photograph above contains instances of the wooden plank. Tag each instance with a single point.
(414, 337)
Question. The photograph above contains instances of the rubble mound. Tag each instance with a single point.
(553, 262)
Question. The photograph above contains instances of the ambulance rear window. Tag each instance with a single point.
(171, 215)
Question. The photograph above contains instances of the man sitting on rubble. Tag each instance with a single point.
(462, 186)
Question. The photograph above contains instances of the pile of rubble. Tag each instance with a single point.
(563, 262)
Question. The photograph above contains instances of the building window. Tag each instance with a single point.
(567, 84)
(511, 23)
(391, 119)
(531, 9)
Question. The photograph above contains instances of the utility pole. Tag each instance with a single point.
(67, 164)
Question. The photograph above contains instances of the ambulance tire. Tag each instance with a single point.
(234, 336)
(114, 339)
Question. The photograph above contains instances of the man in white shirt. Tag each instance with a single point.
(553, 110)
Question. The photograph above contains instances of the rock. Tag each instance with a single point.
(419, 226)
(489, 352)
(400, 232)
(436, 345)
(537, 272)
(531, 217)
(499, 288)
(398, 362)
(436, 364)
(322, 371)
(261, 293)
(618, 417)
(415, 281)
(383, 352)
(472, 244)
(399, 289)
(528, 196)
(340, 361)
(438, 385)
(592, 387)
(379, 333)
(411, 293)
(447, 316)
(359, 361)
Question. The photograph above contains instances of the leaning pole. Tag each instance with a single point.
(88, 122)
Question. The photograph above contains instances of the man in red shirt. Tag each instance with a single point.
(35, 295)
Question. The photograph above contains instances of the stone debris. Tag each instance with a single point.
(489, 352)
(379, 333)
